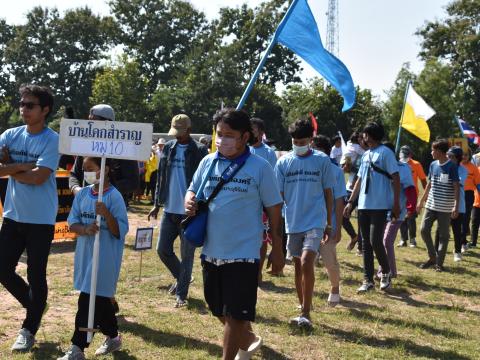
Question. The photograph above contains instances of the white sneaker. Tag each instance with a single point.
(464, 248)
(305, 323)
(24, 342)
(252, 349)
(366, 286)
(385, 281)
(109, 345)
(74, 353)
(333, 299)
(457, 257)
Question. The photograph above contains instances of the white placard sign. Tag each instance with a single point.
(112, 139)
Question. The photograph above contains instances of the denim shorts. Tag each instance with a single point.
(304, 241)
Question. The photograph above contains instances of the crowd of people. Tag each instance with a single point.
(297, 205)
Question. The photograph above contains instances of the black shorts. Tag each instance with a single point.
(231, 289)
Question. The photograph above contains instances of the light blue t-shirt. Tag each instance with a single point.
(302, 180)
(462, 175)
(406, 181)
(380, 190)
(111, 248)
(235, 228)
(266, 152)
(177, 189)
(339, 192)
(33, 204)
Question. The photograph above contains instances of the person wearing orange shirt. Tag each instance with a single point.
(472, 183)
(408, 229)
(475, 218)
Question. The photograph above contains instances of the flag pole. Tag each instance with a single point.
(397, 144)
(269, 49)
(455, 117)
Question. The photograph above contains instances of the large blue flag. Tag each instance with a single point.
(299, 32)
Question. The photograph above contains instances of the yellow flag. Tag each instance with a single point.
(416, 114)
(214, 135)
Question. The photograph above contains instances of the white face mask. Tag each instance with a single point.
(300, 150)
(90, 177)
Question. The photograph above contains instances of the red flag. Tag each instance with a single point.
(314, 124)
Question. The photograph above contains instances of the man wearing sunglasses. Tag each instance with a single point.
(30, 158)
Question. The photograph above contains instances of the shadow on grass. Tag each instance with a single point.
(404, 296)
(417, 282)
(406, 323)
(353, 267)
(63, 247)
(46, 350)
(271, 286)
(269, 353)
(197, 305)
(123, 355)
(269, 320)
(410, 347)
(170, 340)
(351, 304)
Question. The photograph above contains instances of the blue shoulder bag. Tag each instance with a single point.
(195, 227)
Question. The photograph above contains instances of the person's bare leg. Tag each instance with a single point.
(236, 336)
(263, 255)
(298, 279)
(308, 280)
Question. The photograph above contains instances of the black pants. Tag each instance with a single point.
(475, 224)
(15, 238)
(372, 227)
(456, 225)
(104, 319)
(408, 229)
(469, 198)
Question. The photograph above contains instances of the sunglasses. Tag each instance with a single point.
(28, 105)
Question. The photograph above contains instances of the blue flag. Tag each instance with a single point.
(299, 32)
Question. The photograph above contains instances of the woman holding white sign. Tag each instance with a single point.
(113, 229)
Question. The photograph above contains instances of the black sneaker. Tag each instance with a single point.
(472, 245)
(439, 268)
(427, 264)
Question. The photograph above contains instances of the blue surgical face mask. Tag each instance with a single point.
(300, 150)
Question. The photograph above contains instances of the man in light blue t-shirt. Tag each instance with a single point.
(178, 162)
(378, 191)
(30, 158)
(305, 180)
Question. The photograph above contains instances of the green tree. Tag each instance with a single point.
(125, 89)
(326, 103)
(159, 34)
(61, 52)
(456, 41)
(436, 86)
(7, 90)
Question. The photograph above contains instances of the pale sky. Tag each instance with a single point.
(376, 36)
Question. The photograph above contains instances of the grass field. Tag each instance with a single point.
(425, 315)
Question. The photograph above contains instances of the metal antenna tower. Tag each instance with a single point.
(332, 27)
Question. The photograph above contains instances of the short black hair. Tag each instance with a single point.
(42, 93)
(336, 138)
(236, 119)
(322, 142)
(259, 123)
(301, 129)
(374, 130)
(354, 137)
(441, 145)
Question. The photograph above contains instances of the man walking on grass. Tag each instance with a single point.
(30, 159)
(305, 180)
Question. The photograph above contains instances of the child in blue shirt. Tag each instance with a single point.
(305, 180)
(113, 229)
